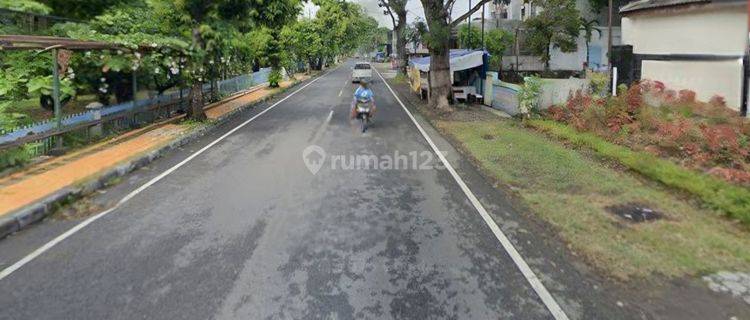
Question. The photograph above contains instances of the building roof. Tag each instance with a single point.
(639, 5)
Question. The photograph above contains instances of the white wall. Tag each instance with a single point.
(721, 30)
(557, 91)
(570, 60)
(706, 78)
(574, 60)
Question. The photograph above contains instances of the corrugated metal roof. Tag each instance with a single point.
(639, 5)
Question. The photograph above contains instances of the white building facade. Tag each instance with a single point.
(511, 16)
(690, 44)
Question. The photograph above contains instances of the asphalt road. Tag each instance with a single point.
(246, 231)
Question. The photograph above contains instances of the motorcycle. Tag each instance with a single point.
(363, 108)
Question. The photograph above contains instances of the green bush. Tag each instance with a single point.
(528, 96)
(731, 199)
(16, 157)
(599, 83)
(274, 78)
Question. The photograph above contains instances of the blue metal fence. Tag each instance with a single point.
(228, 86)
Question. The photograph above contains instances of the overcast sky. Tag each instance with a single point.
(413, 7)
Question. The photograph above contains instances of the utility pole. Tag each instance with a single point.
(609, 47)
(609, 37)
(483, 46)
(56, 96)
(468, 37)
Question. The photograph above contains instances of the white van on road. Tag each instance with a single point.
(361, 70)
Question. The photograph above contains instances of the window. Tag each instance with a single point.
(362, 66)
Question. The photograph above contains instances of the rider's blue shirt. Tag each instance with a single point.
(363, 94)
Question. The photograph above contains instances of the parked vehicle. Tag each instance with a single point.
(361, 70)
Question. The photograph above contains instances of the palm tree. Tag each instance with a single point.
(588, 28)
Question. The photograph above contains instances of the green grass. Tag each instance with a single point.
(571, 190)
(401, 78)
(730, 199)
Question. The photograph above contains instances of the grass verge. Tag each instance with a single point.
(730, 199)
(571, 191)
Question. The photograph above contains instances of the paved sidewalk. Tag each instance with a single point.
(44, 179)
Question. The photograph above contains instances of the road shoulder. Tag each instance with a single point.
(37, 191)
(550, 254)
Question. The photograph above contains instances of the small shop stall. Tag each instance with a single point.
(468, 71)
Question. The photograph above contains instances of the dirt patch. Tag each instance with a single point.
(83, 208)
(634, 212)
(459, 112)
(468, 114)
(488, 136)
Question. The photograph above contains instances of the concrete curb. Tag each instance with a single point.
(40, 209)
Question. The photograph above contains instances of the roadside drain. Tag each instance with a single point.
(635, 213)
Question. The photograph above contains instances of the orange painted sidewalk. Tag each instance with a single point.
(43, 179)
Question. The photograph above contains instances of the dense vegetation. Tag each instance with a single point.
(169, 44)
(704, 145)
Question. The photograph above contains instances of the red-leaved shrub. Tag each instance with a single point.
(718, 101)
(686, 96)
(707, 136)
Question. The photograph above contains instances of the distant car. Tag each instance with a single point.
(379, 57)
(361, 70)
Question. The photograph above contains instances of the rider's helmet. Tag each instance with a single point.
(363, 82)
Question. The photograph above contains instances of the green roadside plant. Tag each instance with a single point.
(528, 96)
(274, 78)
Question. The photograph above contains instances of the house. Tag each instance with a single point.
(510, 17)
(698, 45)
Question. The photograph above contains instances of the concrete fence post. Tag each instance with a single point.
(96, 109)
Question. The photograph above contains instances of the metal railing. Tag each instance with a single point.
(38, 139)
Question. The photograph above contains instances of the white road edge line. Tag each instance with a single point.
(529, 274)
(31, 256)
(330, 116)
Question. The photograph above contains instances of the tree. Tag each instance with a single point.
(29, 6)
(436, 35)
(209, 21)
(399, 24)
(498, 41)
(343, 27)
(83, 9)
(557, 25)
(303, 40)
(338, 28)
(588, 27)
(412, 34)
(598, 5)
(469, 38)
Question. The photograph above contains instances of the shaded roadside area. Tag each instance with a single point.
(595, 208)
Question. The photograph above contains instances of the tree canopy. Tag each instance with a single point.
(29, 6)
(178, 42)
(498, 41)
(469, 38)
(557, 25)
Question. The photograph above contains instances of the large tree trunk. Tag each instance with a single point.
(401, 42)
(440, 79)
(438, 39)
(195, 111)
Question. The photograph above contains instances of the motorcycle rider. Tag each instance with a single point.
(363, 93)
